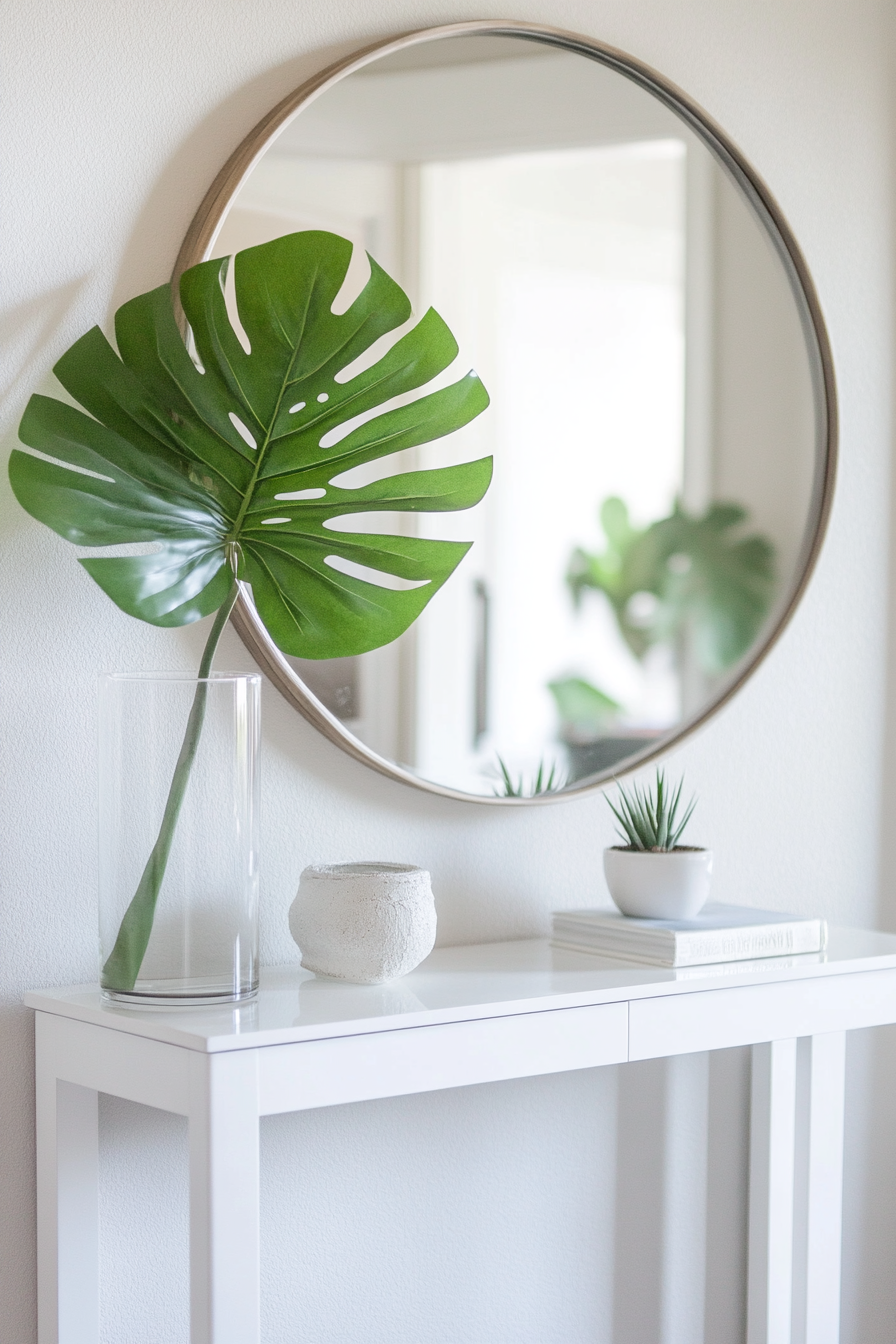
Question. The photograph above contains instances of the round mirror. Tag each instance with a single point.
(662, 404)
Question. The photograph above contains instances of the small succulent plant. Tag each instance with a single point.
(648, 817)
(548, 779)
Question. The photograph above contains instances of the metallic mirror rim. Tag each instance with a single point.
(200, 238)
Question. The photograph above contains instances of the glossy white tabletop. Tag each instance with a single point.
(454, 984)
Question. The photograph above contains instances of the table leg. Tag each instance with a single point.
(224, 1221)
(796, 1190)
(67, 1202)
(818, 1199)
(770, 1253)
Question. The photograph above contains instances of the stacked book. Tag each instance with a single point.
(718, 933)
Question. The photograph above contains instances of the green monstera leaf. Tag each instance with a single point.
(702, 572)
(228, 460)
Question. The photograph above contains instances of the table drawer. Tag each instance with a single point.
(682, 1023)
(424, 1059)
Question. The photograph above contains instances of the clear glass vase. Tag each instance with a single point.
(178, 864)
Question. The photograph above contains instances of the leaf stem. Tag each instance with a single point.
(123, 964)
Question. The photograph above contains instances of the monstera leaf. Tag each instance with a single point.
(701, 573)
(228, 460)
(716, 580)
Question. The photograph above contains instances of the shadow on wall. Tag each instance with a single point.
(681, 1199)
(150, 252)
(619, 1213)
(17, 1224)
(28, 328)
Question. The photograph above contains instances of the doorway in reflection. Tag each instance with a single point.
(565, 271)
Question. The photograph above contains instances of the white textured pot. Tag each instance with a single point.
(649, 885)
(363, 922)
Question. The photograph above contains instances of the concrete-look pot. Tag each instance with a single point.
(363, 922)
(670, 884)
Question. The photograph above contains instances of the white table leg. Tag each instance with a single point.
(67, 1202)
(224, 1221)
(819, 1188)
(772, 1130)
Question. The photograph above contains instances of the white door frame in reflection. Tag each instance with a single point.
(200, 243)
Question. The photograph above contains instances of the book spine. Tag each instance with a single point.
(767, 940)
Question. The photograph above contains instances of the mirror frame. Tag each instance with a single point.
(204, 228)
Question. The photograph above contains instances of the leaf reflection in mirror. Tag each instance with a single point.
(682, 573)
(693, 582)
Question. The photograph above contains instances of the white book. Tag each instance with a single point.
(718, 933)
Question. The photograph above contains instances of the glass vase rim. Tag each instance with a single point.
(254, 677)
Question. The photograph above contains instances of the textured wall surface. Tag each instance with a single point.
(590, 1206)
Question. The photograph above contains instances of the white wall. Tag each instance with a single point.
(490, 1214)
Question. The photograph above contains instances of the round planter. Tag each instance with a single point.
(363, 922)
(669, 885)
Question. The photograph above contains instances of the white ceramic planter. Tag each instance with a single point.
(363, 922)
(670, 885)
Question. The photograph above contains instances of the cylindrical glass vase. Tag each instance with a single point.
(178, 860)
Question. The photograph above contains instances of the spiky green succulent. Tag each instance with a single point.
(648, 817)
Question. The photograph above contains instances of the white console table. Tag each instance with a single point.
(467, 1015)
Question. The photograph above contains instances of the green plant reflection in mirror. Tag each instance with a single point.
(700, 584)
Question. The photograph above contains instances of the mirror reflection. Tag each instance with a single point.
(652, 413)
